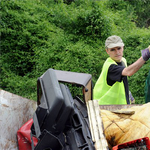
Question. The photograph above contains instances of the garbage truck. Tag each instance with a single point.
(57, 120)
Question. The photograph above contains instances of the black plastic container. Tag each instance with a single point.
(60, 122)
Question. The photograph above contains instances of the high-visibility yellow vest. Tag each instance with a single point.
(106, 94)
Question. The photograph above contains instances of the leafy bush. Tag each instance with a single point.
(65, 35)
(23, 86)
(92, 23)
(138, 9)
(21, 33)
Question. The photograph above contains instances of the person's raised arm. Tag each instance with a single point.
(133, 68)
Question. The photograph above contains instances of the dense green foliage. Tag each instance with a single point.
(68, 35)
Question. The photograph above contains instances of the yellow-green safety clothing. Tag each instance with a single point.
(106, 94)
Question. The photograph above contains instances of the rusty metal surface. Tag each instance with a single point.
(117, 107)
(14, 112)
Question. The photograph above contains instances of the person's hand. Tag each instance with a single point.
(146, 53)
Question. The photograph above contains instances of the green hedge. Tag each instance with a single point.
(66, 35)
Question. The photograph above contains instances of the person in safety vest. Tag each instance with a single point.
(111, 87)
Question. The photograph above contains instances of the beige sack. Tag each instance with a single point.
(127, 125)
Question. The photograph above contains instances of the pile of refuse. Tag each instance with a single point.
(125, 125)
(59, 121)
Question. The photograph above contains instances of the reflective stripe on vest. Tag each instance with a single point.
(109, 95)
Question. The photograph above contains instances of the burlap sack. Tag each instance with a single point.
(126, 125)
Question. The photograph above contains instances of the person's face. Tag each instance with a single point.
(115, 53)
